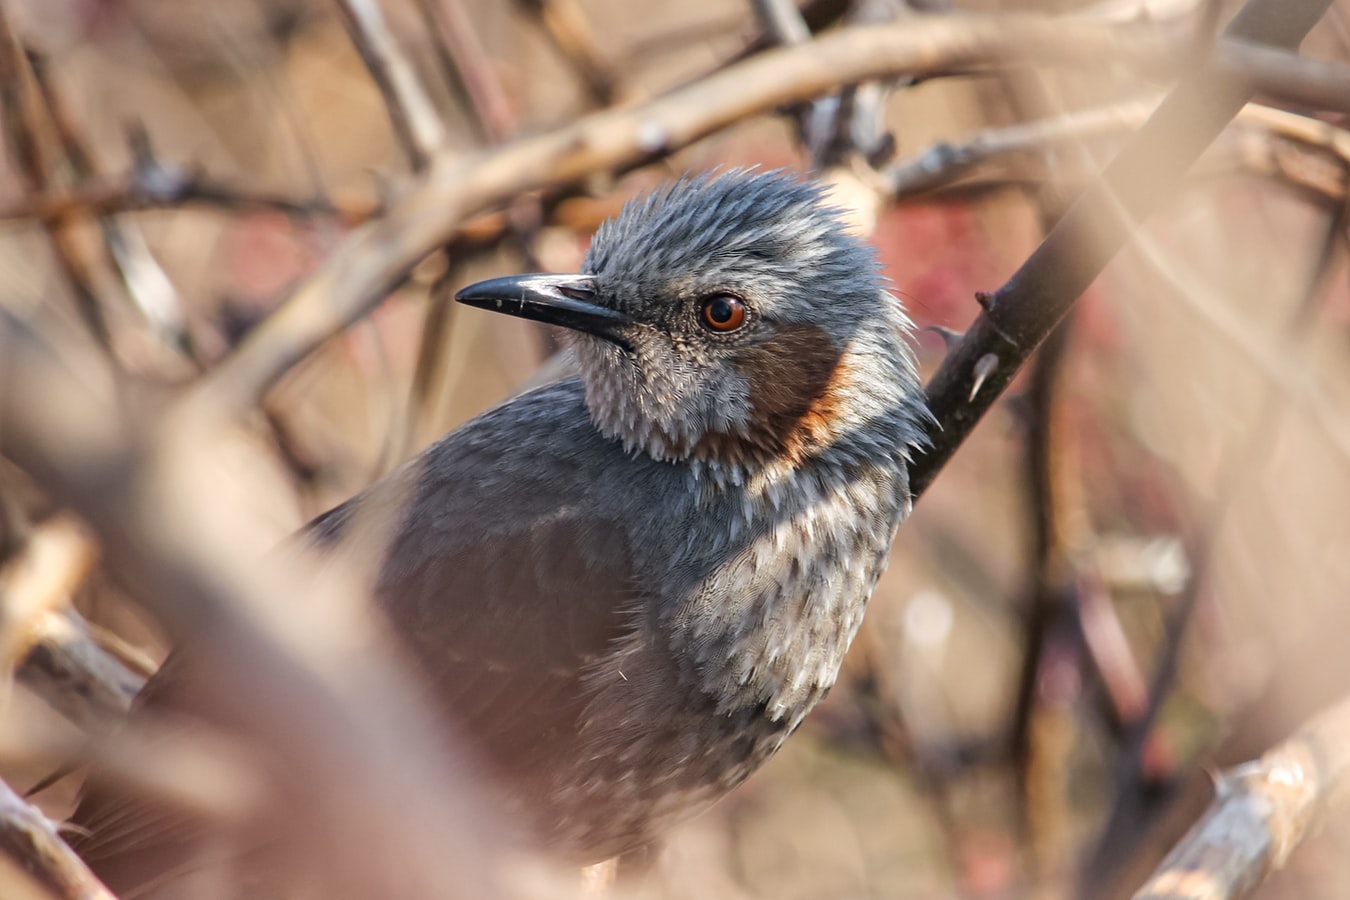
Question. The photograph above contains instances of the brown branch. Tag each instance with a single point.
(69, 668)
(564, 22)
(165, 186)
(1254, 142)
(41, 579)
(29, 840)
(1142, 177)
(361, 766)
(374, 259)
(413, 115)
(22, 123)
(1261, 812)
(463, 57)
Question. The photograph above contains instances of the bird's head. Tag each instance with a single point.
(730, 320)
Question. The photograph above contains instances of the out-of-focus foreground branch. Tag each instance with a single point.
(44, 867)
(375, 258)
(1149, 170)
(365, 776)
(1261, 812)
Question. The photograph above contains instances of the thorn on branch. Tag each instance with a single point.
(984, 367)
(950, 336)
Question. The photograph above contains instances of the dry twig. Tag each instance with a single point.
(41, 579)
(365, 766)
(411, 111)
(374, 259)
(71, 670)
(1261, 812)
(1142, 177)
(30, 843)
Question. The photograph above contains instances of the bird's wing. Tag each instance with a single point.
(505, 575)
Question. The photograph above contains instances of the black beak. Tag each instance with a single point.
(566, 300)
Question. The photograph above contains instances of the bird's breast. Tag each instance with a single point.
(715, 674)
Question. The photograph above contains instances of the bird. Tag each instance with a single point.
(627, 587)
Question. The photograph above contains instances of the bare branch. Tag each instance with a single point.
(464, 56)
(71, 670)
(39, 580)
(365, 764)
(418, 125)
(1261, 812)
(29, 839)
(374, 259)
(1141, 178)
(168, 186)
(564, 21)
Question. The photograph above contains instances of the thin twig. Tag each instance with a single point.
(375, 258)
(143, 278)
(818, 121)
(464, 59)
(564, 22)
(414, 117)
(166, 186)
(18, 106)
(1141, 178)
(28, 838)
(944, 163)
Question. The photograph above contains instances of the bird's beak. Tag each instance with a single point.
(566, 300)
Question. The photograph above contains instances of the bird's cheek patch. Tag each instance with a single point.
(796, 383)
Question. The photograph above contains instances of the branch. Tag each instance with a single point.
(469, 66)
(1261, 812)
(165, 185)
(40, 579)
(372, 260)
(69, 669)
(1254, 145)
(362, 768)
(29, 840)
(414, 117)
(1142, 177)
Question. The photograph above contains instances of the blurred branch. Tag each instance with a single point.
(1255, 143)
(564, 22)
(818, 119)
(1261, 812)
(38, 581)
(30, 840)
(1142, 177)
(1137, 800)
(377, 257)
(142, 277)
(163, 186)
(943, 163)
(47, 643)
(463, 57)
(365, 767)
(413, 115)
(71, 670)
(1045, 728)
(21, 118)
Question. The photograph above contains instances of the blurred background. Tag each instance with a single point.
(1135, 572)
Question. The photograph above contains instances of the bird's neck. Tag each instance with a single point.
(863, 404)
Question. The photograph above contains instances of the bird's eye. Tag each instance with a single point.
(722, 313)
